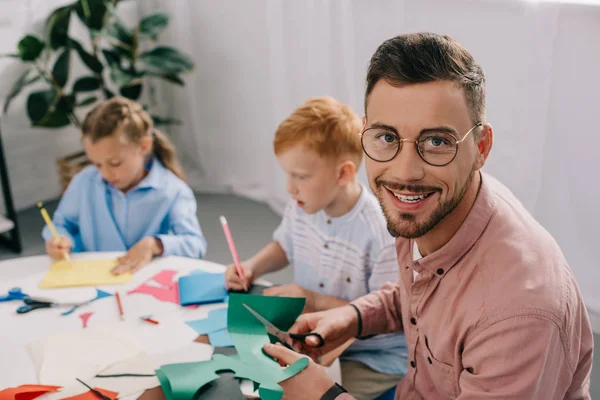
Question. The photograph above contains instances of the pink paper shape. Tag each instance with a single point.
(84, 318)
(168, 290)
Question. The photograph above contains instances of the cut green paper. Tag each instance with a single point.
(249, 335)
(183, 381)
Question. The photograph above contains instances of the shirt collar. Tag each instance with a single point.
(442, 260)
(356, 209)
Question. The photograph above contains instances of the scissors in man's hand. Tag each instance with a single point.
(284, 336)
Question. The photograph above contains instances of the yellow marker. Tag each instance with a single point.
(51, 226)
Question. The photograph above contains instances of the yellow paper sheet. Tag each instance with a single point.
(82, 273)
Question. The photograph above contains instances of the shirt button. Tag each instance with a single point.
(329, 221)
(321, 285)
(326, 246)
(348, 279)
(440, 271)
(413, 364)
(413, 321)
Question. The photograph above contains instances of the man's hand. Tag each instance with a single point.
(309, 384)
(58, 248)
(335, 326)
(235, 282)
(139, 255)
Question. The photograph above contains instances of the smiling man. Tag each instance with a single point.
(486, 299)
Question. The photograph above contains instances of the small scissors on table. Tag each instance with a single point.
(34, 304)
(284, 336)
(13, 294)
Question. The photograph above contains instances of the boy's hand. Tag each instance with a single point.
(139, 255)
(57, 248)
(234, 282)
(292, 290)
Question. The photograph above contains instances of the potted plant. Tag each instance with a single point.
(117, 59)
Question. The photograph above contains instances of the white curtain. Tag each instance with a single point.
(257, 60)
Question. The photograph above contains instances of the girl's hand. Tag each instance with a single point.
(138, 256)
(58, 248)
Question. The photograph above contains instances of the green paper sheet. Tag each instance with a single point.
(249, 335)
(183, 381)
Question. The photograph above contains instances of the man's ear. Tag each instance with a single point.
(485, 141)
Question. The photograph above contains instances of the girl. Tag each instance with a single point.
(132, 198)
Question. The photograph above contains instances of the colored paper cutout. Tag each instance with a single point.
(26, 392)
(83, 273)
(183, 381)
(100, 294)
(249, 335)
(216, 321)
(161, 286)
(220, 338)
(89, 395)
(200, 288)
(85, 317)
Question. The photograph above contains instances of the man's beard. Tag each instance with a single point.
(405, 224)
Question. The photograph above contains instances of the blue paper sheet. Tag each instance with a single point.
(199, 288)
(216, 321)
(220, 338)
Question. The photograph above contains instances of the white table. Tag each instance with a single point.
(16, 366)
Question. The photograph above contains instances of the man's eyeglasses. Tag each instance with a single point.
(435, 148)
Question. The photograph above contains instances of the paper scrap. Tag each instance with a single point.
(83, 353)
(100, 294)
(161, 286)
(26, 392)
(216, 321)
(220, 338)
(85, 317)
(202, 289)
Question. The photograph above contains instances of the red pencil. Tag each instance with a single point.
(121, 314)
(148, 319)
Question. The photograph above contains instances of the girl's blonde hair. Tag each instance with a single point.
(131, 120)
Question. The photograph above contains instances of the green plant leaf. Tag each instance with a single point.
(132, 92)
(38, 104)
(89, 60)
(112, 57)
(121, 78)
(173, 78)
(165, 121)
(86, 84)
(18, 85)
(87, 101)
(60, 71)
(121, 38)
(108, 93)
(30, 48)
(91, 12)
(152, 25)
(44, 109)
(166, 60)
(57, 27)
